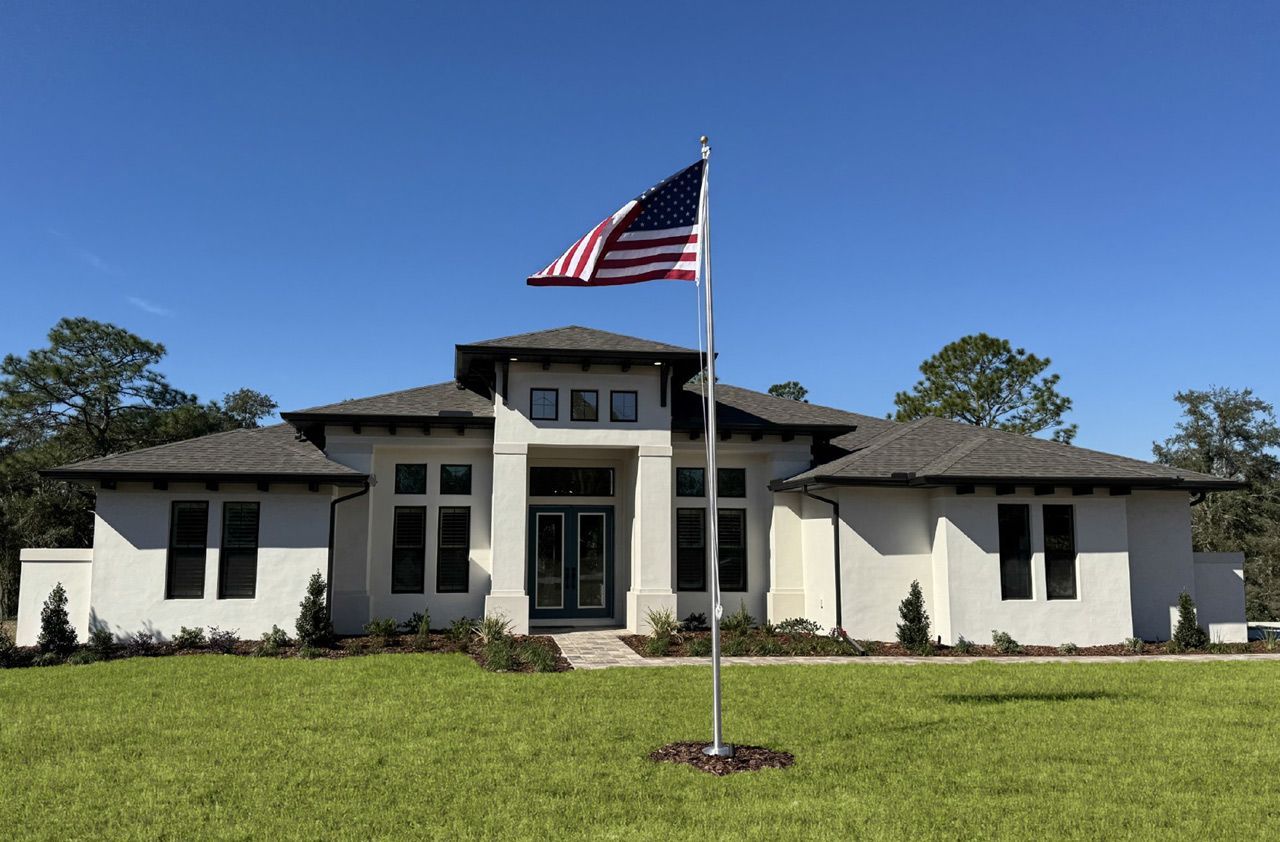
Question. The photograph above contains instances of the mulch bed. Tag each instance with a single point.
(745, 758)
(680, 648)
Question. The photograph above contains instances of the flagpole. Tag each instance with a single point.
(718, 748)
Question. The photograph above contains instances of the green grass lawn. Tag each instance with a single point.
(432, 746)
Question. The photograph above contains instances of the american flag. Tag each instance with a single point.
(653, 237)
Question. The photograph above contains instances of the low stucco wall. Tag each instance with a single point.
(41, 571)
(1220, 596)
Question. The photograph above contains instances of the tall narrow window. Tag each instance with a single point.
(238, 561)
(408, 549)
(733, 549)
(544, 404)
(1059, 552)
(453, 550)
(622, 406)
(691, 549)
(1015, 551)
(188, 539)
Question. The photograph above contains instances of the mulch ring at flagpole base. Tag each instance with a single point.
(745, 758)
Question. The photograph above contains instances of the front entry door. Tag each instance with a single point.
(570, 561)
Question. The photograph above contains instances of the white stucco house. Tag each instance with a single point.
(557, 478)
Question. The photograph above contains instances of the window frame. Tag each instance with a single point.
(635, 400)
(169, 557)
(702, 550)
(444, 469)
(720, 474)
(1074, 555)
(702, 483)
(595, 407)
(555, 416)
(421, 561)
(1007, 558)
(440, 547)
(539, 469)
(746, 580)
(222, 549)
(396, 474)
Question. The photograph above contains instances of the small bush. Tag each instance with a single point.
(223, 642)
(963, 647)
(314, 626)
(767, 645)
(47, 659)
(189, 638)
(736, 644)
(422, 632)
(699, 647)
(277, 636)
(1174, 648)
(1004, 643)
(273, 642)
(56, 634)
(662, 622)
(493, 627)
(1189, 634)
(102, 643)
(739, 622)
(310, 652)
(82, 657)
(417, 620)
(382, 629)
(8, 651)
(538, 658)
(499, 654)
(694, 622)
(798, 625)
(1270, 640)
(461, 630)
(140, 644)
(658, 645)
(1133, 645)
(1068, 649)
(913, 631)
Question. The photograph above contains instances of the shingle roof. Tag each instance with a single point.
(439, 400)
(262, 452)
(578, 338)
(939, 451)
(739, 407)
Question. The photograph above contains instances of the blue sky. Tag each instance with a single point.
(318, 199)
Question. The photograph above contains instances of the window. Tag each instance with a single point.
(691, 482)
(733, 549)
(1015, 551)
(188, 538)
(622, 406)
(571, 482)
(455, 479)
(408, 549)
(453, 550)
(584, 405)
(544, 404)
(1059, 552)
(238, 562)
(691, 549)
(411, 479)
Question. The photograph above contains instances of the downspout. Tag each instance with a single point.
(835, 552)
(333, 508)
(1198, 497)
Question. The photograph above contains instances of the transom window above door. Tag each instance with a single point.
(544, 404)
(584, 405)
(570, 482)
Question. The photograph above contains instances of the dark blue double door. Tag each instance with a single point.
(570, 562)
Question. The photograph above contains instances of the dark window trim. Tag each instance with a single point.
(540, 469)
(173, 524)
(443, 467)
(421, 560)
(634, 394)
(395, 479)
(572, 393)
(1075, 552)
(466, 561)
(1026, 562)
(746, 579)
(556, 392)
(703, 550)
(222, 548)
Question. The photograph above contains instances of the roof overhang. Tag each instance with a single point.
(907, 480)
(474, 365)
(347, 419)
(100, 475)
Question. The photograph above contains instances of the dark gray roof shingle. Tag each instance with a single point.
(439, 400)
(744, 407)
(578, 338)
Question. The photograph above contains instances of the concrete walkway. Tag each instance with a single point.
(594, 649)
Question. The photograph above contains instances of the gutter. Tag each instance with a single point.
(328, 582)
(835, 552)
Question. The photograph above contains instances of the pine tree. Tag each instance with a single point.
(913, 631)
(56, 634)
(1189, 634)
(314, 626)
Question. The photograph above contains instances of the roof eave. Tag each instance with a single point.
(384, 420)
(914, 481)
(99, 474)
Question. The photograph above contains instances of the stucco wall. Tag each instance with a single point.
(1160, 560)
(1220, 596)
(886, 540)
(41, 571)
(652, 426)
(130, 553)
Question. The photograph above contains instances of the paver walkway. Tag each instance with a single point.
(593, 649)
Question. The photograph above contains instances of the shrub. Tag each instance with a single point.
(1270, 640)
(422, 631)
(277, 636)
(662, 622)
(189, 638)
(494, 627)
(736, 644)
(314, 626)
(538, 658)
(1068, 649)
(461, 629)
(82, 657)
(1133, 645)
(47, 659)
(658, 645)
(499, 654)
(102, 643)
(310, 652)
(694, 622)
(699, 647)
(1189, 634)
(767, 646)
(223, 642)
(1004, 643)
(56, 634)
(963, 647)
(798, 625)
(140, 644)
(417, 621)
(913, 631)
(8, 651)
(1174, 648)
(739, 622)
(383, 629)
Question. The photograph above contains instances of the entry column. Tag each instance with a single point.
(510, 513)
(652, 571)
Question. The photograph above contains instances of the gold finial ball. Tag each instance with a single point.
(703, 140)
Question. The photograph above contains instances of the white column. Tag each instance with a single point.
(507, 595)
(652, 566)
